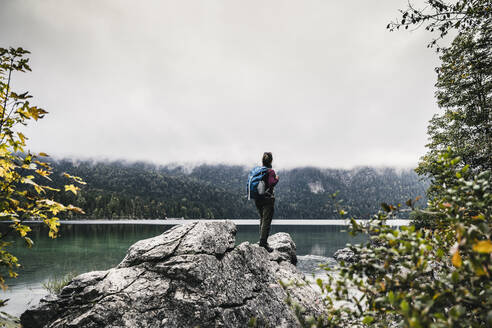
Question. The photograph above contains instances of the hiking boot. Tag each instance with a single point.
(268, 248)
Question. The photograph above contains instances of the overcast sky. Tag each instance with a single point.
(316, 82)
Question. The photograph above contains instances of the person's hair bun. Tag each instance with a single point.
(267, 159)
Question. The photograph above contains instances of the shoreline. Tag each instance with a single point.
(396, 223)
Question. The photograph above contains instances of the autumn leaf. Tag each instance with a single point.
(72, 188)
(456, 259)
(39, 189)
(75, 178)
(43, 172)
(45, 165)
(75, 209)
(483, 246)
(478, 217)
(22, 138)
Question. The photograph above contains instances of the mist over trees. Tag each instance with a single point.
(143, 191)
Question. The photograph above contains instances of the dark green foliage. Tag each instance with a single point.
(464, 91)
(422, 277)
(142, 191)
(424, 219)
(361, 191)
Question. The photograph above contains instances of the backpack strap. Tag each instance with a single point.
(268, 190)
(249, 187)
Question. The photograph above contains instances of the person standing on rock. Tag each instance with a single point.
(265, 204)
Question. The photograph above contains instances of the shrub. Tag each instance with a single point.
(421, 277)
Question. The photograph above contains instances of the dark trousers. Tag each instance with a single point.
(265, 209)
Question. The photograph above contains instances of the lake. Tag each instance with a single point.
(83, 247)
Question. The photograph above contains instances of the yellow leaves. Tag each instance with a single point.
(50, 188)
(45, 165)
(39, 189)
(53, 224)
(28, 241)
(22, 138)
(51, 205)
(23, 230)
(7, 165)
(3, 150)
(47, 202)
(31, 166)
(75, 178)
(37, 113)
(21, 172)
(456, 259)
(43, 173)
(20, 228)
(28, 180)
(75, 209)
(55, 210)
(72, 188)
(483, 246)
(28, 112)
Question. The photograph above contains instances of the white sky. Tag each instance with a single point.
(316, 82)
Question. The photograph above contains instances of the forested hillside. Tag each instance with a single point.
(143, 191)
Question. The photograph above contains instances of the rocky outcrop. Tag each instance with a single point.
(192, 275)
(345, 255)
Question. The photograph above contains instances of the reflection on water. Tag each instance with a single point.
(87, 247)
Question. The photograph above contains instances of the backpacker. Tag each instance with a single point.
(256, 182)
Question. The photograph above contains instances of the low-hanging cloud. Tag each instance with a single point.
(316, 82)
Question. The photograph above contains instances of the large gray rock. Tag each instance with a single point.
(193, 275)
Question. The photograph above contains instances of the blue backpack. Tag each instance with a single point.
(256, 182)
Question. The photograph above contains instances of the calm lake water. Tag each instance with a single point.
(86, 247)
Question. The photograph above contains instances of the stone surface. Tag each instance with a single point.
(192, 275)
(284, 248)
(345, 254)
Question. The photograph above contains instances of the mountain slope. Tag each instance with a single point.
(142, 191)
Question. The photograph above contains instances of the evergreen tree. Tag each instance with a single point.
(464, 91)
